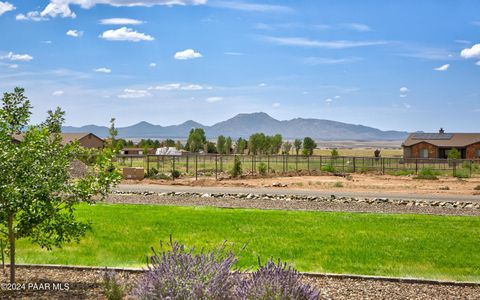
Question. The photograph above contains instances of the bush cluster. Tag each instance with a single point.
(427, 173)
(179, 273)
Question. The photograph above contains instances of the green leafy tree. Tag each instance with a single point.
(178, 145)
(275, 144)
(297, 143)
(257, 143)
(38, 195)
(113, 132)
(209, 147)
(221, 144)
(308, 146)
(287, 147)
(454, 154)
(228, 145)
(240, 146)
(334, 153)
(196, 140)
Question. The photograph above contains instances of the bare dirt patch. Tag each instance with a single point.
(347, 183)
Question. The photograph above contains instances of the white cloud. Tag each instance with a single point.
(471, 52)
(403, 95)
(329, 100)
(61, 8)
(125, 34)
(442, 68)
(17, 57)
(13, 66)
(213, 99)
(102, 70)
(263, 84)
(234, 53)
(58, 93)
(276, 104)
(47, 42)
(304, 42)
(152, 65)
(337, 97)
(5, 7)
(179, 87)
(31, 16)
(74, 33)
(187, 54)
(329, 61)
(120, 21)
(357, 27)
(476, 23)
(253, 7)
(132, 94)
(404, 89)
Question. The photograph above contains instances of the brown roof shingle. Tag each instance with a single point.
(443, 140)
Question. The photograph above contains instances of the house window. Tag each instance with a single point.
(423, 153)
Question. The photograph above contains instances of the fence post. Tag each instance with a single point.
(148, 163)
(296, 163)
(131, 161)
(416, 165)
(216, 167)
(471, 163)
(268, 164)
(253, 158)
(454, 168)
(308, 164)
(173, 168)
(354, 165)
(196, 166)
(158, 162)
(320, 163)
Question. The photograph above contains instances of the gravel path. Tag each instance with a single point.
(87, 284)
(290, 202)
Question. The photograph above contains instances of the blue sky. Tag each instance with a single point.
(402, 65)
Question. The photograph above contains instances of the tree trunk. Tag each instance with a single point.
(11, 241)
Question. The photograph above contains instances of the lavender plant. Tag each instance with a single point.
(181, 274)
(275, 281)
(112, 288)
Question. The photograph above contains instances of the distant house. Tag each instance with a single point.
(87, 140)
(136, 151)
(168, 151)
(437, 145)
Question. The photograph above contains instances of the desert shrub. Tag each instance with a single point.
(454, 154)
(403, 172)
(338, 184)
(427, 173)
(462, 173)
(328, 168)
(237, 167)
(477, 188)
(275, 281)
(179, 273)
(334, 153)
(152, 173)
(175, 174)
(113, 289)
(262, 169)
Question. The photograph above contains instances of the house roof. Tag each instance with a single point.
(443, 139)
(66, 137)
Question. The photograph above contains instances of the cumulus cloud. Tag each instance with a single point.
(179, 87)
(17, 57)
(61, 8)
(58, 93)
(304, 42)
(120, 21)
(472, 52)
(152, 65)
(442, 68)
(31, 16)
(6, 7)
(74, 33)
(102, 70)
(125, 34)
(213, 99)
(187, 54)
(13, 66)
(404, 90)
(132, 94)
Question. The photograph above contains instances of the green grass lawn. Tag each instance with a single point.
(425, 246)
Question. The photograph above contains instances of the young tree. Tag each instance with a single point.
(454, 154)
(240, 146)
(257, 143)
(308, 146)
(178, 145)
(228, 145)
(334, 153)
(287, 147)
(196, 140)
(298, 145)
(221, 144)
(275, 144)
(37, 192)
(113, 131)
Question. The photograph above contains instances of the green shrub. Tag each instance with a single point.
(152, 173)
(403, 172)
(338, 184)
(237, 167)
(262, 169)
(334, 153)
(454, 154)
(427, 173)
(462, 173)
(175, 174)
(328, 168)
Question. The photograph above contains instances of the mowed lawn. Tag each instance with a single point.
(436, 247)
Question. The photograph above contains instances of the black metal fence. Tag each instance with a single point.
(208, 165)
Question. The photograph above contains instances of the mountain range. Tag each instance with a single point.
(243, 125)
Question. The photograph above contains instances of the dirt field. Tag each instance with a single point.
(351, 183)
